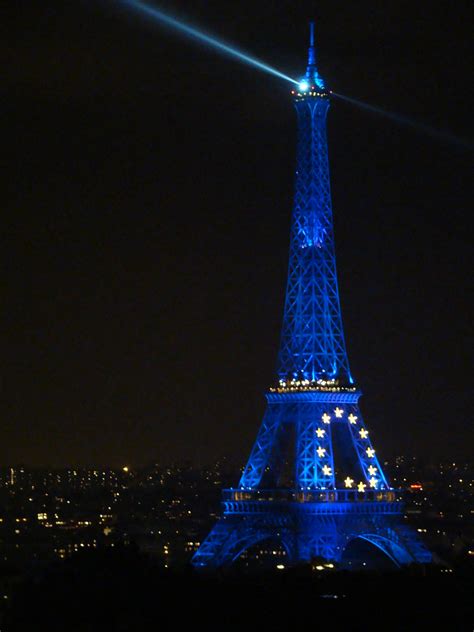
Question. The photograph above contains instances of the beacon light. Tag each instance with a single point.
(304, 85)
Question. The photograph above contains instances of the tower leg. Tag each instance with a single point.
(263, 447)
(232, 535)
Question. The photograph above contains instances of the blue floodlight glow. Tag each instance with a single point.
(186, 29)
(304, 85)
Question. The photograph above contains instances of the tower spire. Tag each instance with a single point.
(312, 76)
(311, 51)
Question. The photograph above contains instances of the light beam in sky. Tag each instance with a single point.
(194, 33)
(186, 29)
(404, 120)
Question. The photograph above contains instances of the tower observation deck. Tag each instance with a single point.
(335, 490)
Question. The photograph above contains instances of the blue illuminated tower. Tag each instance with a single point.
(335, 490)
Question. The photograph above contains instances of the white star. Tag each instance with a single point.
(373, 482)
(326, 418)
(338, 412)
(372, 470)
(327, 470)
(348, 481)
(370, 452)
(363, 433)
(352, 418)
(361, 487)
(320, 432)
(321, 452)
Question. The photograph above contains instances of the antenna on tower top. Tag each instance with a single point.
(312, 76)
(311, 50)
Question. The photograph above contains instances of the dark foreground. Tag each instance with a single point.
(122, 590)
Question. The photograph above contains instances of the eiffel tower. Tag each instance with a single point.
(335, 491)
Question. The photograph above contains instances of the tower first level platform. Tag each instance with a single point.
(309, 526)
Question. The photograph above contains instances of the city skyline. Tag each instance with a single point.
(148, 245)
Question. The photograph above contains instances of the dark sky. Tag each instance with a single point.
(148, 199)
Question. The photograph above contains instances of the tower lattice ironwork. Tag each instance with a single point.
(335, 490)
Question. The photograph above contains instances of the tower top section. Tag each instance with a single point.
(312, 84)
(312, 350)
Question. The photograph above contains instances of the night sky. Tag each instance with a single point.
(148, 192)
